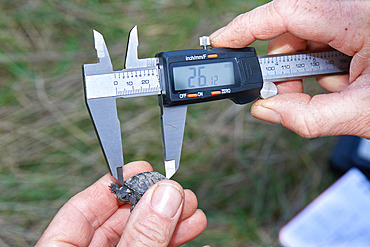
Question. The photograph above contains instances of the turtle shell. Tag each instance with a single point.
(141, 182)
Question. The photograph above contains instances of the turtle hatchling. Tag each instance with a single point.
(134, 188)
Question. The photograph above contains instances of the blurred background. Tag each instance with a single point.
(250, 176)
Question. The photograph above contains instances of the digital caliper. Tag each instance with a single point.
(186, 77)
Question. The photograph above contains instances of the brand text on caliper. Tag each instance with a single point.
(195, 57)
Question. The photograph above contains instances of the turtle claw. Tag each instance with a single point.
(114, 188)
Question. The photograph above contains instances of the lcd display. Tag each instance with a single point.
(203, 75)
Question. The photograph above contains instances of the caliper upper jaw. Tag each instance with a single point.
(104, 64)
(173, 125)
(132, 58)
(103, 111)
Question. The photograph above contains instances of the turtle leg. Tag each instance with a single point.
(134, 200)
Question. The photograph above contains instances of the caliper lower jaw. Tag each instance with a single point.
(173, 125)
(103, 111)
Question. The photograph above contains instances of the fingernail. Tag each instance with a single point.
(276, 51)
(266, 114)
(166, 200)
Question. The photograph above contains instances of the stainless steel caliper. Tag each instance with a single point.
(186, 77)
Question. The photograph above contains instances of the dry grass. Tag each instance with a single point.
(251, 176)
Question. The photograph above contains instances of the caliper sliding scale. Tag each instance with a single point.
(185, 77)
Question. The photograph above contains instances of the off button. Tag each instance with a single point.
(192, 95)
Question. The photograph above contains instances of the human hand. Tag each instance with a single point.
(298, 25)
(166, 215)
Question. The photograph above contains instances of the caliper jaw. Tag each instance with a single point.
(132, 58)
(268, 90)
(173, 125)
(103, 112)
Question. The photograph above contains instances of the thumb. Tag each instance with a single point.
(322, 115)
(155, 217)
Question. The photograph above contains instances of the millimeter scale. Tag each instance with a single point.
(187, 77)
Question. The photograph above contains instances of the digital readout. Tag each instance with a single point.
(203, 75)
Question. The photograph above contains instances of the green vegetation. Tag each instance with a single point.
(250, 177)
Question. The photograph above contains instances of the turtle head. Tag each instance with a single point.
(124, 194)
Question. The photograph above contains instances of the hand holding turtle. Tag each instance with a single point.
(166, 215)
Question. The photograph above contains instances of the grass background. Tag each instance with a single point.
(250, 176)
